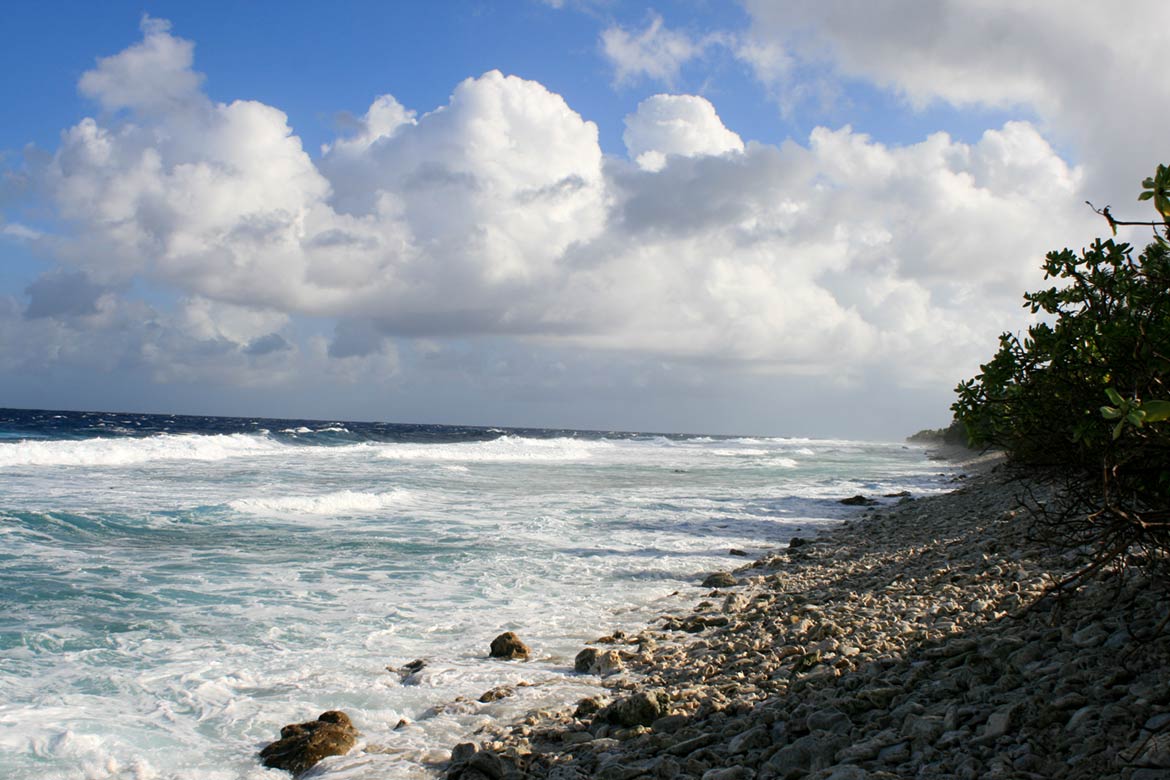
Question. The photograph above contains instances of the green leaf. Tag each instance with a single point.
(1109, 413)
(1114, 396)
(1145, 196)
(1156, 411)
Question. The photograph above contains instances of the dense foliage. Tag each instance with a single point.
(1087, 390)
(954, 434)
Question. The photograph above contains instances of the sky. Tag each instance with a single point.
(765, 217)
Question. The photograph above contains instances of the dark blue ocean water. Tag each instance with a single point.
(72, 425)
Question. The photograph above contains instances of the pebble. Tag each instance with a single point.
(917, 640)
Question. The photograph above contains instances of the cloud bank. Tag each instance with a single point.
(496, 215)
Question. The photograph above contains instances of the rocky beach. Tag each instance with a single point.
(922, 638)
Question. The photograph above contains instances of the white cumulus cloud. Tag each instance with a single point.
(1091, 71)
(152, 76)
(496, 215)
(684, 125)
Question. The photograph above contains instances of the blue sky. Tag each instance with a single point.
(764, 217)
(317, 66)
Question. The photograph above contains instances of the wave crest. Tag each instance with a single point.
(133, 451)
(341, 502)
(501, 450)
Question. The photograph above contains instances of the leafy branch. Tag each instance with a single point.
(1105, 329)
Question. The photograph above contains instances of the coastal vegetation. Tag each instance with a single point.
(1085, 392)
(953, 435)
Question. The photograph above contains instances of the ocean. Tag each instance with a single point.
(175, 589)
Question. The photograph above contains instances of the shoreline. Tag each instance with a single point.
(909, 640)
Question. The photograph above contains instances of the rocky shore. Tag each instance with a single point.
(916, 640)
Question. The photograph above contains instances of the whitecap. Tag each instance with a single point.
(728, 453)
(340, 502)
(784, 463)
(134, 451)
(504, 449)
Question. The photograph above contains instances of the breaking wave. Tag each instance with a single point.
(131, 451)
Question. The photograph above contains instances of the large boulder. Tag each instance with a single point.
(301, 745)
(508, 645)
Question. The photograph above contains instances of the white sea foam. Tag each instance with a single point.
(196, 623)
(340, 503)
(784, 463)
(125, 451)
(506, 449)
(739, 453)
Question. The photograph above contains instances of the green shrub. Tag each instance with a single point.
(1085, 391)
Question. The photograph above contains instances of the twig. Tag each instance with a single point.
(1113, 223)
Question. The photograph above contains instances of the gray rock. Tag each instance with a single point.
(688, 746)
(1070, 701)
(607, 662)
(808, 754)
(751, 739)
(1090, 636)
(508, 645)
(618, 771)
(729, 773)
(829, 720)
(576, 737)
(894, 754)
(789, 761)
(1083, 719)
(846, 772)
(720, 579)
(589, 705)
(463, 752)
(583, 663)
(669, 724)
(488, 763)
(467, 773)
(301, 745)
(1000, 723)
(409, 672)
(1152, 751)
(922, 729)
(640, 709)
(567, 772)
(497, 693)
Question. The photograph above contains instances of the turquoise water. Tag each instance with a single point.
(174, 590)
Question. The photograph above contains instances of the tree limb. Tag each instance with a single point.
(1113, 223)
